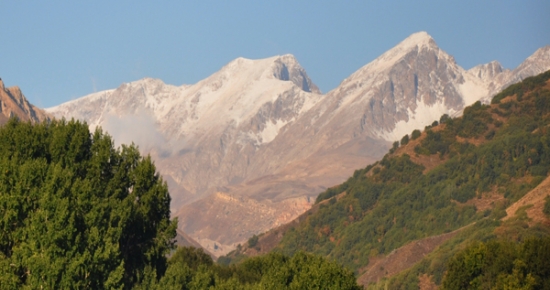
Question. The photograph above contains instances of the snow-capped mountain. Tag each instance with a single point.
(209, 130)
(409, 87)
(259, 135)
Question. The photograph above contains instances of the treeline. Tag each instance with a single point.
(78, 213)
(501, 265)
(393, 202)
(190, 268)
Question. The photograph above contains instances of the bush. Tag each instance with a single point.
(444, 118)
(253, 241)
(405, 140)
(546, 208)
(415, 134)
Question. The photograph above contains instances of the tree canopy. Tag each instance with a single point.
(76, 212)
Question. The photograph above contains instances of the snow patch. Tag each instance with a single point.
(422, 116)
(473, 89)
(269, 133)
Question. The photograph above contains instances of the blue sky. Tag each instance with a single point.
(57, 51)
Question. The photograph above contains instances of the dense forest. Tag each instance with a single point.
(78, 213)
(429, 185)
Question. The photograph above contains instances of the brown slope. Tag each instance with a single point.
(402, 258)
(535, 199)
(14, 104)
(240, 215)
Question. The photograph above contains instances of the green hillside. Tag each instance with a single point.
(437, 182)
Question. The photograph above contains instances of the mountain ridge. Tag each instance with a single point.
(14, 104)
(252, 129)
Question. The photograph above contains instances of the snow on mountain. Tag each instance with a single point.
(413, 84)
(488, 71)
(262, 130)
(209, 129)
(408, 87)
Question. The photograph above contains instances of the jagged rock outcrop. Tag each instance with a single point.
(14, 104)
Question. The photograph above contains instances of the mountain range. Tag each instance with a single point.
(251, 146)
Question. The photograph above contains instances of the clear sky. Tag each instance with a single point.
(57, 51)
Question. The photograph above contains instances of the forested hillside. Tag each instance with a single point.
(458, 175)
(79, 214)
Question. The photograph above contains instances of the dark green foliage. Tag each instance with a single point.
(191, 257)
(444, 118)
(394, 146)
(546, 208)
(501, 265)
(77, 213)
(436, 143)
(415, 134)
(521, 88)
(473, 122)
(253, 241)
(405, 140)
(490, 134)
(271, 271)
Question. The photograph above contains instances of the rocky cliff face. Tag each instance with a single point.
(13, 103)
(260, 131)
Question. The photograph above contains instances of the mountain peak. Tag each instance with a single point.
(535, 64)
(287, 68)
(542, 52)
(281, 67)
(421, 39)
(488, 71)
(418, 42)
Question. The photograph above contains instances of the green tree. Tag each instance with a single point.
(405, 140)
(546, 208)
(78, 213)
(253, 241)
(415, 134)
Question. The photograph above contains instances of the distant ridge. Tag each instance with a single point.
(14, 104)
(262, 130)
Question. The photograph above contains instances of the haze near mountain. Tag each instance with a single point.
(249, 147)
